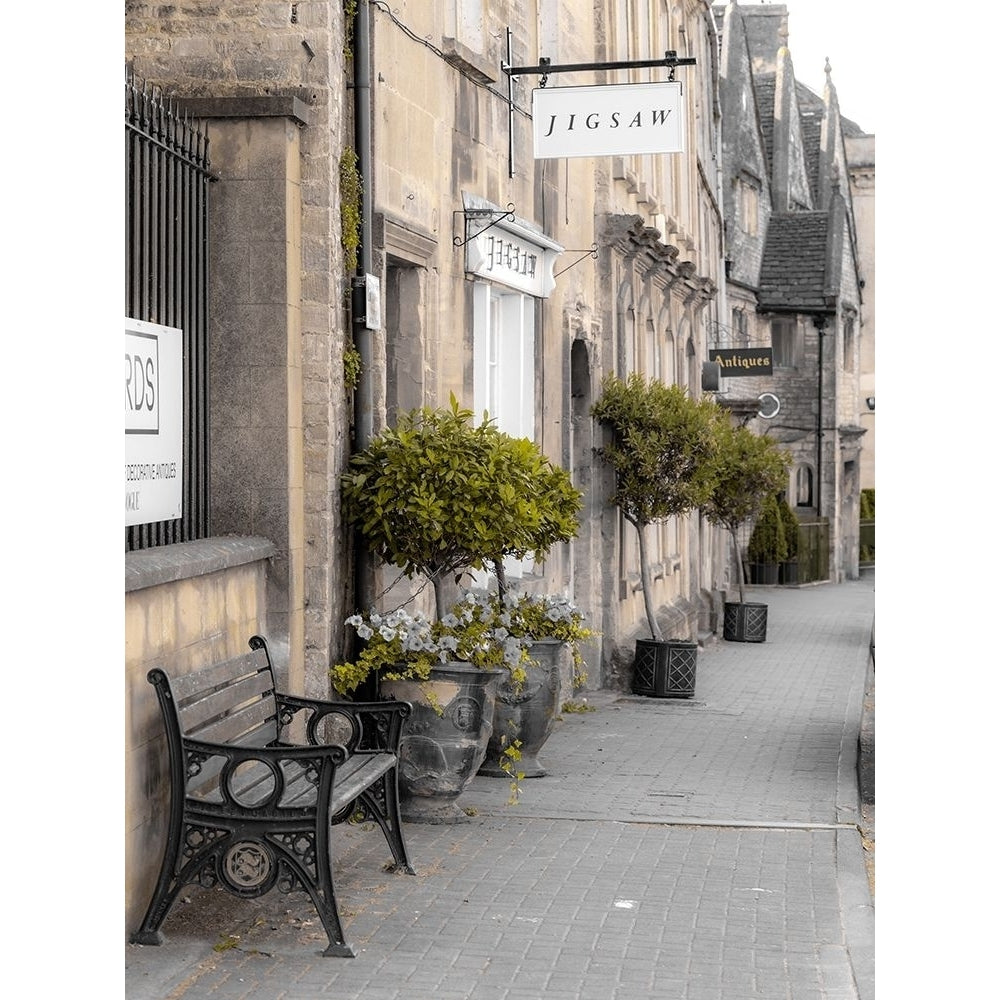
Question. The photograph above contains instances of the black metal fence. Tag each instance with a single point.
(166, 268)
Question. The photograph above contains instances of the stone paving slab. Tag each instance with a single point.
(702, 850)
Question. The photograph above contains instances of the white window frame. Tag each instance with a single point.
(503, 352)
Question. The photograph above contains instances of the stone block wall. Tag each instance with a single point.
(186, 606)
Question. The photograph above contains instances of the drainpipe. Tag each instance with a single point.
(364, 392)
(820, 323)
(364, 395)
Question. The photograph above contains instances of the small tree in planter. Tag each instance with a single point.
(748, 469)
(789, 571)
(768, 546)
(661, 448)
(439, 496)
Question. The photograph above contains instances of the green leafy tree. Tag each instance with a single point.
(790, 522)
(748, 469)
(438, 495)
(768, 543)
(661, 448)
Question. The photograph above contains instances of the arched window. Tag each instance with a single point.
(803, 486)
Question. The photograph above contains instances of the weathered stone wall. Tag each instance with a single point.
(274, 52)
(186, 606)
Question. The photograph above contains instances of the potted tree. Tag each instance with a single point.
(788, 571)
(767, 547)
(748, 469)
(526, 707)
(660, 447)
(438, 496)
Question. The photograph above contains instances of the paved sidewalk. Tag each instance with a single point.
(677, 850)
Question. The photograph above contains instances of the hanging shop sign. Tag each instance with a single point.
(154, 422)
(608, 120)
(742, 362)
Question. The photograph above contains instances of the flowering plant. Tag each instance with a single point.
(401, 646)
(532, 617)
(483, 629)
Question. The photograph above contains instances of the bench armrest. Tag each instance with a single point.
(359, 725)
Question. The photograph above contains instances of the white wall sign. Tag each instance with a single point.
(608, 120)
(154, 422)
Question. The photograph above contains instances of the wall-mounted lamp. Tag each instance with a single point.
(870, 402)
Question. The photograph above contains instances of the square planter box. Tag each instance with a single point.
(746, 622)
(664, 669)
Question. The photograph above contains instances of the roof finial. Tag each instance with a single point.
(826, 68)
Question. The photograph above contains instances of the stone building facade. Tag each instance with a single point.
(516, 284)
(795, 267)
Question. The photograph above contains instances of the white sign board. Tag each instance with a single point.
(154, 422)
(608, 120)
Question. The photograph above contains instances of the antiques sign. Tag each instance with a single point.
(742, 362)
(154, 422)
(608, 120)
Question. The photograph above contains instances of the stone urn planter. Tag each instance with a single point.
(445, 739)
(526, 714)
(664, 669)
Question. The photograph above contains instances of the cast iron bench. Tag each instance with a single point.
(250, 812)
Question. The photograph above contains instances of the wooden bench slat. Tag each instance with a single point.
(353, 780)
(251, 725)
(208, 705)
(207, 678)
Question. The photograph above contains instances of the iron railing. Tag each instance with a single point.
(166, 269)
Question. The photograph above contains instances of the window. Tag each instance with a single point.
(504, 372)
(749, 196)
(739, 328)
(849, 345)
(783, 342)
(803, 486)
(504, 358)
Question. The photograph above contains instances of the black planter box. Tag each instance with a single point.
(789, 573)
(766, 573)
(664, 669)
(746, 622)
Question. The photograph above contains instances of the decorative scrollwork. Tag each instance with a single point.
(301, 846)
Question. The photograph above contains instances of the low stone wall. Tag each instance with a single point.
(186, 605)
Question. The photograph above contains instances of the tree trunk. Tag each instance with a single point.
(739, 561)
(501, 576)
(647, 584)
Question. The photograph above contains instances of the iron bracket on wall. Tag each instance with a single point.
(472, 214)
(592, 252)
(544, 68)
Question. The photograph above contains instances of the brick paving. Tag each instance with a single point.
(686, 850)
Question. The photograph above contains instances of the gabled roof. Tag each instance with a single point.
(793, 274)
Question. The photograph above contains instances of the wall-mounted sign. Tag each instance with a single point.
(742, 362)
(608, 120)
(514, 255)
(154, 422)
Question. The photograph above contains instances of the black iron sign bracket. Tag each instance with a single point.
(545, 68)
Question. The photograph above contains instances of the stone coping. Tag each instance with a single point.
(184, 560)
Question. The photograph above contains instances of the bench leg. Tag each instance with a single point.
(382, 804)
(323, 896)
(167, 887)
